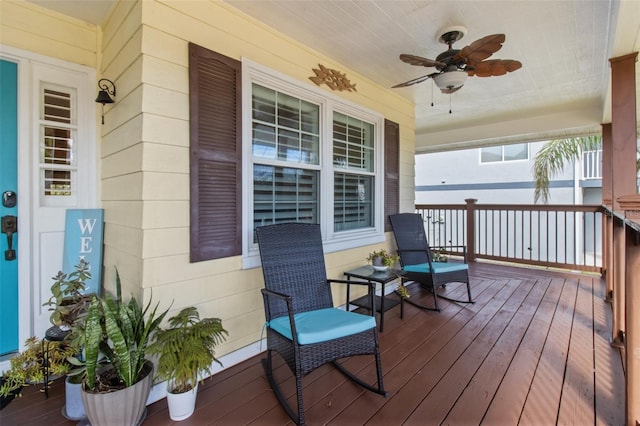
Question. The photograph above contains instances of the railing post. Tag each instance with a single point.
(619, 263)
(607, 200)
(471, 229)
(631, 206)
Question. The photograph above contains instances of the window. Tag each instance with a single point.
(268, 149)
(58, 157)
(315, 158)
(286, 155)
(354, 179)
(514, 152)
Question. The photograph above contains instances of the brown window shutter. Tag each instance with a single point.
(215, 111)
(391, 171)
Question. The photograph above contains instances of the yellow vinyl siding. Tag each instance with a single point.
(144, 148)
(36, 29)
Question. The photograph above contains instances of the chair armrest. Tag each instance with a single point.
(267, 292)
(439, 247)
(464, 250)
(286, 298)
(371, 291)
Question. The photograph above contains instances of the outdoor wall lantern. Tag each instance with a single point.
(107, 89)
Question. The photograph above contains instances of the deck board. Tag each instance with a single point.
(541, 406)
(508, 401)
(533, 349)
(475, 399)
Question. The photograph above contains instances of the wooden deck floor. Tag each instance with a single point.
(532, 350)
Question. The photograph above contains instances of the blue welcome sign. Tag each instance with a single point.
(83, 235)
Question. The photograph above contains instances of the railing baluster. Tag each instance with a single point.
(542, 232)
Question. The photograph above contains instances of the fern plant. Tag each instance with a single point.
(186, 348)
(120, 331)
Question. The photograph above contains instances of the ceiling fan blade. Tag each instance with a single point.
(494, 67)
(414, 81)
(481, 49)
(420, 61)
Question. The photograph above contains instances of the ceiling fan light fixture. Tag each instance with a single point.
(450, 80)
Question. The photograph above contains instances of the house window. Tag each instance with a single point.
(285, 147)
(315, 158)
(354, 179)
(495, 154)
(58, 157)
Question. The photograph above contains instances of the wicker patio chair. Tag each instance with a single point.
(417, 261)
(302, 324)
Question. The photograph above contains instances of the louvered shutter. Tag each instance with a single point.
(391, 171)
(215, 112)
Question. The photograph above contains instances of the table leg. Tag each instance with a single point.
(382, 308)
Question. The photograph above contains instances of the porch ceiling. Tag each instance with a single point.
(564, 46)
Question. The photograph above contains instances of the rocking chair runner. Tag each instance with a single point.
(417, 262)
(302, 324)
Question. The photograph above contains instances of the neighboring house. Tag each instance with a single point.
(503, 175)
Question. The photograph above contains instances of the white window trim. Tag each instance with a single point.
(253, 72)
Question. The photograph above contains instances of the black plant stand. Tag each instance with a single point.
(53, 334)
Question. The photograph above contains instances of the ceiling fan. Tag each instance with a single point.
(454, 66)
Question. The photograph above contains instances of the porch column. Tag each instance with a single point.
(624, 174)
(623, 127)
(607, 200)
(631, 206)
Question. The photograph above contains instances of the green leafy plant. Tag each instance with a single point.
(121, 331)
(67, 299)
(402, 291)
(439, 256)
(28, 366)
(382, 258)
(186, 348)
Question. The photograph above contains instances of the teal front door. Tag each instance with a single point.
(8, 207)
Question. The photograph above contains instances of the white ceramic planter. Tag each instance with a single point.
(74, 407)
(182, 405)
(125, 407)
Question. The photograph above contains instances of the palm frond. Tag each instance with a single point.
(552, 158)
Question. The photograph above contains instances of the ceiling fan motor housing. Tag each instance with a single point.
(448, 58)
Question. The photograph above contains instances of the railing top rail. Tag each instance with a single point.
(519, 207)
(620, 216)
(441, 206)
(543, 207)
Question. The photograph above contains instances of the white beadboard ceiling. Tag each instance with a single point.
(564, 46)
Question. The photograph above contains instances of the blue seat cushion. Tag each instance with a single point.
(438, 267)
(323, 324)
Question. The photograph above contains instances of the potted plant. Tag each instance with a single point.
(67, 302)
(439, 256)
(115, 388)
(67, 299)
(382, 260)
(28, 367)
(186, 351)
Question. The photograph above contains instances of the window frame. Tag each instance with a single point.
(502, 159)
(253, 72)
(54, 200)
